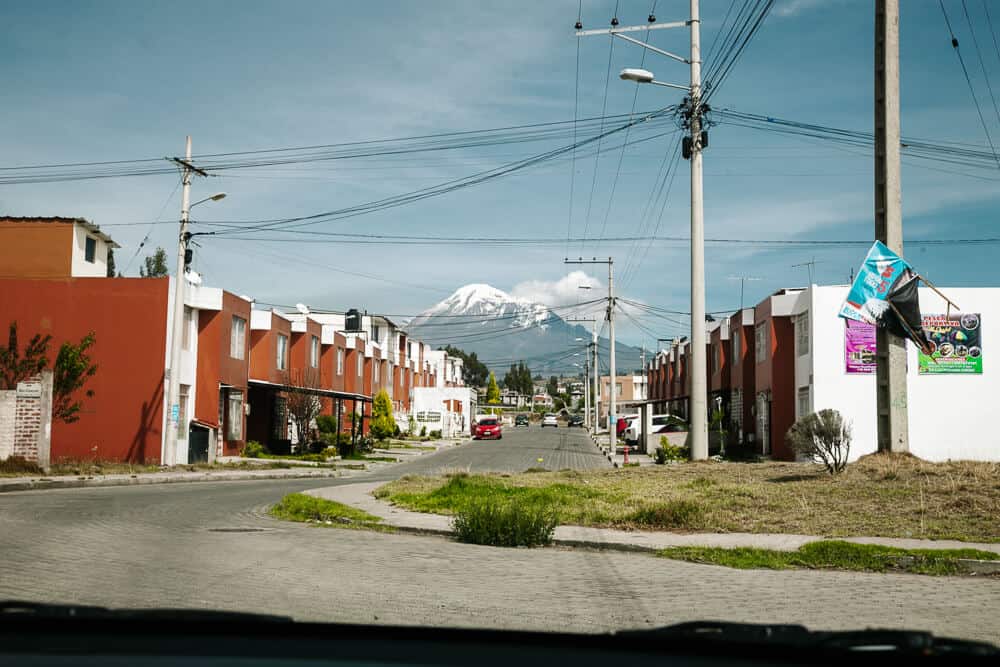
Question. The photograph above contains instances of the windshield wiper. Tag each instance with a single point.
(10, 608)
(876, 640)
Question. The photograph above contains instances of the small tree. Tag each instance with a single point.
(111, 263)
(383, 423)
(155, 265)
(552, 387)
(72, 370)
(303, 405)
(823, 436)
(492, 390)
(16, 367)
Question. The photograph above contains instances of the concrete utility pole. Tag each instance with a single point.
(586, 383)
(693, 147)
(612, 435)
(170, 456)
(890, 357)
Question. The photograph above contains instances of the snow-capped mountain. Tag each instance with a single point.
(503, 329)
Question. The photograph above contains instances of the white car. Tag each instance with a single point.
(550, 420)
(633, 430)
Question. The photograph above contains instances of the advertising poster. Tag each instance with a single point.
(859, 347)
(866, 302)
(955, 344)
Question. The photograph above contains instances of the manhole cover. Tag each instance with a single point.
(236, 530)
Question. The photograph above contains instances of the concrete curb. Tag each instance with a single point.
(46, 483)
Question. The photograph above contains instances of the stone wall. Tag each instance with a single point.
(26, 420)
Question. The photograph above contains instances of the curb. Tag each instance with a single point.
(43, 484)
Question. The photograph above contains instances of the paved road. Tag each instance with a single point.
(211, 546)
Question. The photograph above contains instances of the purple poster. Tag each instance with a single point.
(859, 347)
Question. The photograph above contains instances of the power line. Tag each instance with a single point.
(979, 54)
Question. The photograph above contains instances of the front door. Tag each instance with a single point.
(198, 444)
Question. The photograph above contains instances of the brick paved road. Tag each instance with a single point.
(178, 545)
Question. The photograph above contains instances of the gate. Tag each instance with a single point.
(198, 444)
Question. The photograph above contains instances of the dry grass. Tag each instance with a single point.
(880, 495)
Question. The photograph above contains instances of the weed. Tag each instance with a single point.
(683, 514)
(309, 509)
(498, 521)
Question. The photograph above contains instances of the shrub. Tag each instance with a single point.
(326, 424)
(253, 450)
(435, 435)
(20, 465)
(383, 424)
(823, 436)
(329, 453)
(667, 452)
(673, 514)
(423, 431)
(411, 426)
(502, 522)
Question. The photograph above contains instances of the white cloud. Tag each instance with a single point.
(796, 7)
(560, 292)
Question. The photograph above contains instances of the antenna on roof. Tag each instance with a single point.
(302, 308)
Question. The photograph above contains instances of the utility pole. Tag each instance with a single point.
(587, 365)
(693, 145)
(612, 435)
(890, 356)
(177, 325)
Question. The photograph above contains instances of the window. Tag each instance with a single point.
(735, 356)
(375, 332)
(802, 333)
(182, 412)
(760, 336)
(234, 423)
(618, 389)
(188, 323)
(238, 338)
(340, 362)
(804, 407)
(90, 249)
(282, 352)
(361, 364)
(716, 354)
(314, 352)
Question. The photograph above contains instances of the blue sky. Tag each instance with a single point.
(119, 80)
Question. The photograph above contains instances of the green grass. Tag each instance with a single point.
(309, 509)
(366, 457)
(505, 522)
(834, 555)
(399, 444)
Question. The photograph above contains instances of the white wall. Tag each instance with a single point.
(431, 399)
(951, 416)
(79, 266)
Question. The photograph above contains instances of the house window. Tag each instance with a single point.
(90, 249)
(375, 332)
(314, 352)
(238, 338)
(279, 418)
(234, 423)
(802, 333)
(282, 352)
(804, 407)
(716, 354)
(361, 362)
(182, 411)
(618, 389)
(340, 362)
(760, 336)
(188, 322)
(736, 347)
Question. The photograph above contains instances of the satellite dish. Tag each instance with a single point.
(193, 277)
(302, 308)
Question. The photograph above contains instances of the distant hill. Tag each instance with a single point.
(502, 329)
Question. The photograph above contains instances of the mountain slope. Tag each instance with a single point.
(502, 329)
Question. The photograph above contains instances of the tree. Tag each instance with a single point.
(16, 367)
(72, 370)
(492, 390)
(383, 423)
(824, 436)
(155, 265)
(111, 262)
(303, 404)
(552, 387)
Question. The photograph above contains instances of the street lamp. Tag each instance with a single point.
(645, 76)
(216, 197)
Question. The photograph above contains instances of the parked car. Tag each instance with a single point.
(632, 431)
(522, 420)
(488, 427)
(550, 420)
(575, 420)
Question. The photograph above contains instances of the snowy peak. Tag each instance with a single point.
(478, 300)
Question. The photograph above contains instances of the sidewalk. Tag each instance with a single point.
(300, 470)
(360, 496)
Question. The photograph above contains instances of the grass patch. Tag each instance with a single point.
(309, 509)
(880, 496)
(399, 444)
(365, 457)
(834, 555)
(505, 522)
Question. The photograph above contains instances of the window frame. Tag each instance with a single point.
(340, 361)
(314, 352)
(234, 417)
(281, 350)
(761, 336)
(90, 250)
(805, 393)
(802, 334)
(238, 338)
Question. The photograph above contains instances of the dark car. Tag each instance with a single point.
(575, 420)
(521, 420)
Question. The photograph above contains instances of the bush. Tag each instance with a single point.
(423, 431)
(667, 452)
(253, 450)
(502, 522)
(674, 514)
(326, 424)
(20, 465)
(329, 453)
(435, 435)
(823, 436)
(411, 426)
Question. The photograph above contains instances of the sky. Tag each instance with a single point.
(121, 80)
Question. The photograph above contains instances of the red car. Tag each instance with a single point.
(487, 428)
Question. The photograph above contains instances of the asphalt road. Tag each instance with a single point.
(211, 545)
